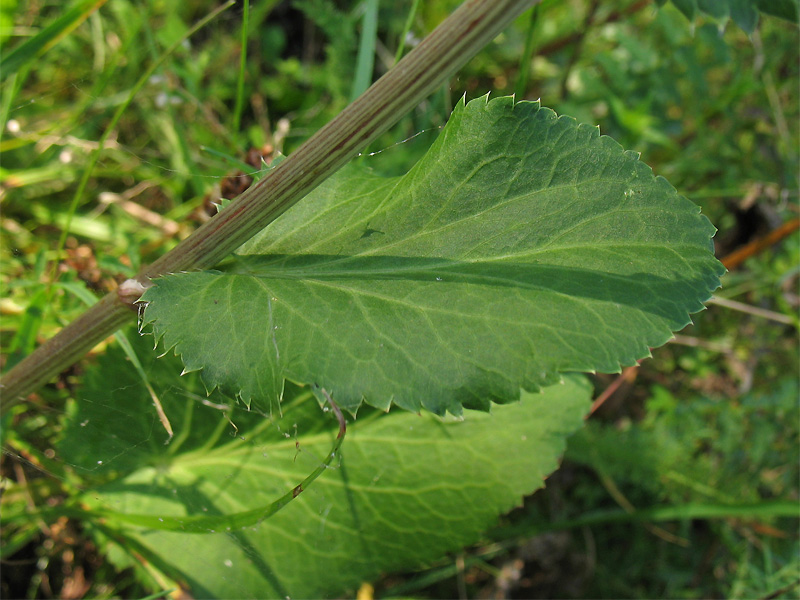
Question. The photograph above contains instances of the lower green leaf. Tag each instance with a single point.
(406, 489)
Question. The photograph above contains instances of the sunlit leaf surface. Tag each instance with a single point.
(521, 246)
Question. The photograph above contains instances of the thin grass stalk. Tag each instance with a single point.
(237, 111)
(365, 61)
(401, 46)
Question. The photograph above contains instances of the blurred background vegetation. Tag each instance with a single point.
(637, 509)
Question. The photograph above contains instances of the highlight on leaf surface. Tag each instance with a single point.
(522, 245)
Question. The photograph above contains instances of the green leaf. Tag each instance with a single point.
(687, 7)
(785, 9)
(714, 8)
(521, 246)
(407, 490)
(743, 12)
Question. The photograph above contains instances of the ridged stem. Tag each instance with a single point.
(434, 60)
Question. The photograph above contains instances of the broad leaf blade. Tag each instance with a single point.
(408, 490)
(521, 246)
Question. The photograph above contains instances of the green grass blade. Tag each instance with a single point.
(231, 160)
(366, 50)
(25, 339)
(87, 297)
(237, 112)
(10, 92)
(525, 60)
(406, 28)
(768, 509)
(49, 36)
(17, 540)
(95, 156)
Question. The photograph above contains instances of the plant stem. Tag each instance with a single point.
(473, 25)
